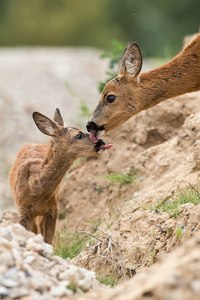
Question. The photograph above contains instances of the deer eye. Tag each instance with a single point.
(79, 136)
(110, 98)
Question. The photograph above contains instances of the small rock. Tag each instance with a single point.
(18, 292)
(195, 284)
(60, 291)
(3, 292)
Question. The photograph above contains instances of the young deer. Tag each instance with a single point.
(39, 169)
(130, 92)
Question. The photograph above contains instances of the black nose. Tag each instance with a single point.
(91, 126)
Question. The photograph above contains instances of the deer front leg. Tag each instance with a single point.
(26, 219)
(48, 225)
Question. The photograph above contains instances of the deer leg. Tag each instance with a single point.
(27, 220)
(34, 226)
(49, 225)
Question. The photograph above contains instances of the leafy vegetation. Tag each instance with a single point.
(179, 232)
(84, 110)
(113, 55)
(109, 280)
(190, 194)
(120, 178)
(68, 245)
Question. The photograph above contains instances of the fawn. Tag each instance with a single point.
(129, 92)
(38, 170)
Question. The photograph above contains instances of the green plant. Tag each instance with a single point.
(94, 224)
(120, 178)
(62, 214)
(113, 57)
(179, 232)
(84, 110)
(68, 245)
(190, 194)
(109, 280)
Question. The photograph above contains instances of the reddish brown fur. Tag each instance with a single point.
(38, 170)
(136, 92)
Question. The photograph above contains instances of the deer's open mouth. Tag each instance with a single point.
(95, 130)
(99, 144)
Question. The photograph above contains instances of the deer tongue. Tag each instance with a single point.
(100, 145)
(93, 138)
(104, 147)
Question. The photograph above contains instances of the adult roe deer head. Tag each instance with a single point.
(131, 92)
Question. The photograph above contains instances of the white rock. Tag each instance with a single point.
(3, 291)
(60, 291)
(18, 292)
(29, 268)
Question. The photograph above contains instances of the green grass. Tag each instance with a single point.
(109, 280)
(190, 194)
(120, 178)
(84, 110)
(68, 245)
(179, 232)
(113, 55)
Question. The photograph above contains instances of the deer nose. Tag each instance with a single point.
(91, 126)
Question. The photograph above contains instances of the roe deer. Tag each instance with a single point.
(39, 169)
(129, 92)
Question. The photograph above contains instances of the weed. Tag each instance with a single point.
(68, 245)
(120, 178)
(99, 189)
(62, 214)
(73, 287)
(94, 224)
(113, 56)
(109, 280)
(108, 223)
(190, 194)
(179, 232)
(84, 110)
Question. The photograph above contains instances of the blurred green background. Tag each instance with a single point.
(158, 26)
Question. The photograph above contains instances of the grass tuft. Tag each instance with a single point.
(68, 245)
(113, 56)
(84, 110)
(109, 280)
(120, 178)
(190, 194)
(179, 232)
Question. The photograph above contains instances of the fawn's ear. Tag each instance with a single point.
(45, 125)
(58, 118)
(131, 62)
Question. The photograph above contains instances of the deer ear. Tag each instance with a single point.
(58, 118)
(131, 62)
(45, 125)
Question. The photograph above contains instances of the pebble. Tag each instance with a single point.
(30, 270)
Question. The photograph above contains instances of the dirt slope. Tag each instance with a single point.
(160, 146)
(175, 277)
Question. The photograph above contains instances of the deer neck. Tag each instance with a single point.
(181, 75)
(54, 166)
(56, 162)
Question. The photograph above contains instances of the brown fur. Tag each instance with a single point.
(136, 92)
(38, 170)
